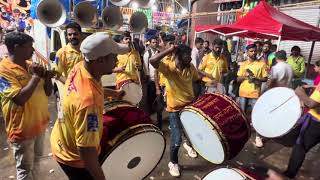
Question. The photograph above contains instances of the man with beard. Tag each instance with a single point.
(75, 139)
(129, 65)
(180, 73)
(213, 65)
(70, 55)
(24, 91)
(251, 74)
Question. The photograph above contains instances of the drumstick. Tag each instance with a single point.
(282, 103)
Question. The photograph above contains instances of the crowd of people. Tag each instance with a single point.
(173, 74)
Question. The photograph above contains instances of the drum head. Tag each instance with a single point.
(135, 157)
(203, 137)
(224, 174)
(133, 92)
(276, 112)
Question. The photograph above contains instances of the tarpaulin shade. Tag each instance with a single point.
(266, 22)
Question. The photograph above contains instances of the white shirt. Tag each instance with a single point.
(282, 73)
(149, 69)
(195, 57)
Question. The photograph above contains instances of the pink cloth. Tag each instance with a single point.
(316, 80)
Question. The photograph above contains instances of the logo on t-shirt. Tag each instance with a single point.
(93, 124)
(4, 84)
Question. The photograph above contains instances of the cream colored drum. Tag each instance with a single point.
(276, 112)
(133, 92)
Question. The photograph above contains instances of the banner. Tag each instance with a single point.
(161, 18)
(16, 6)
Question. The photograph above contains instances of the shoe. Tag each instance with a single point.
(174, 169)
(258, 142)
(191, 152)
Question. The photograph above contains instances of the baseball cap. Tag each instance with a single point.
(101, 44)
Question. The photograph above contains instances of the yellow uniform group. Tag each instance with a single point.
(26, 121)
(178, 84)
(81, 125)
(214, 66)
(66, 58)
(130, 61)
(260, 70)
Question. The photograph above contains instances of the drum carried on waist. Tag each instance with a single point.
(133, 92)
(276, 112)
(226, 173)
(131, 146)
(216, 127)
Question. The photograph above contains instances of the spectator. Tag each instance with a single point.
(296, 61)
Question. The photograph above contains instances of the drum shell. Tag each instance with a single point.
(241, 171)
(119, 116)
(227, 118)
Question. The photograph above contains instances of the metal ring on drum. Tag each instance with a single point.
(126, 131)
(130, 158)
(133, 92)
(276, 112)
(224, 174)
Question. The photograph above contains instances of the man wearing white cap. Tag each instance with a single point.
(75, 139)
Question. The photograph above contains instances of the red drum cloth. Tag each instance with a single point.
(119, 116)
(227, 118)
(120, 84)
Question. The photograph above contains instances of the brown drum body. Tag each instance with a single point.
(224, 117)
(119, 116)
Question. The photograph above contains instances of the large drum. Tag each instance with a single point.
(131, 146)
(230, 174)
(216, 127)
(133, 92)
(276, 112)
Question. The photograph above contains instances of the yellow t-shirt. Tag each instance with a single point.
(29, 120)
(213, 65)
(166, 59)
(81, 125)
(66, 58)
(178, 85)
(260, 70)
(315, 112)
(129, 61)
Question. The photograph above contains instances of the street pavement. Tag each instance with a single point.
(273, 155)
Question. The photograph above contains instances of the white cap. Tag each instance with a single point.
(101, 44)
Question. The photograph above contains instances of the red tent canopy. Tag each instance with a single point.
(266, 22)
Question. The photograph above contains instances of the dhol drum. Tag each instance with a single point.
(276, 112)
(226, 173)
(131, 146)
(216, 127)
(219, 88)
(133, 92)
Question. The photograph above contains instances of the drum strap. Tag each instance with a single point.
(304, 120)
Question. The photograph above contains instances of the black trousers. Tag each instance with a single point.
(309, 139)
(74, 173)
(156, 102)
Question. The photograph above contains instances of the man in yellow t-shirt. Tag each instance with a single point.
(179, 74)
(75, 139)
(310, 132)
(70, 55)
(251, 74)
(213, 66)
(129, 65)
(24, 91)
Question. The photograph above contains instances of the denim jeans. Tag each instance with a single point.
(176, 136)
(245, 102)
